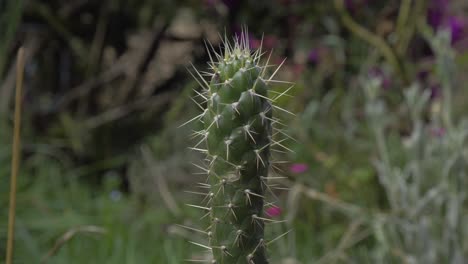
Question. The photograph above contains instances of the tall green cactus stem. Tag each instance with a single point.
(237, 131)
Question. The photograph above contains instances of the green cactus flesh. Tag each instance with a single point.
(237, 130)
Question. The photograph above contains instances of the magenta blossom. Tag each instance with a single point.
(273, 211)
(299, 168)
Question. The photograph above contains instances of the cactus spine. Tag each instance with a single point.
(237, 131)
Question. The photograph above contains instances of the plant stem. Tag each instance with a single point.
(402, 28)
(407, 23)
(15, 154)
(373, 39)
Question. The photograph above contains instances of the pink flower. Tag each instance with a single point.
(437, 131)
(299, 168)
(268, 42)
(297, 69)
(273, 211)
(254, 42)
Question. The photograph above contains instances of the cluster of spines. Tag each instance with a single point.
(238, 133)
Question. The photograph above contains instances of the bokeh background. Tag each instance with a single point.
(378, 171)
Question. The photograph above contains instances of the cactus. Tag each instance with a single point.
(237, 131)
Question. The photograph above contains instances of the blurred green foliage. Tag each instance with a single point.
(107, 87)
(10, 16)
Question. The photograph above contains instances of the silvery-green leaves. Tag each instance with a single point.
(423, 174)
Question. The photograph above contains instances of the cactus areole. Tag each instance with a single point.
(237, 131)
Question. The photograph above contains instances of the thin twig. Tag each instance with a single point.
(161, 182)
(7, 84)
(56, 23)
(124, 110)
(331, 201)
(402, 25)
(403, 14)
(373, 39)
(15, 160)
(406, 30)
(349, 239)
(69, 235)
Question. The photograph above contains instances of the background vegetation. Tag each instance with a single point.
(378, 172)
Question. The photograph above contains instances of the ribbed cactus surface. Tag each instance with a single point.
(238, 134)
(237, 131)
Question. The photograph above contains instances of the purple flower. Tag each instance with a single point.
(353, 5)
(349, 4)
(313, 56)
(457, 26)
(435, 91)
(299, 168)
(422, 75)
(231, 4)
(210, 2)
(436, 12)
(438, 16)
(273, 211)
(378, 73)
